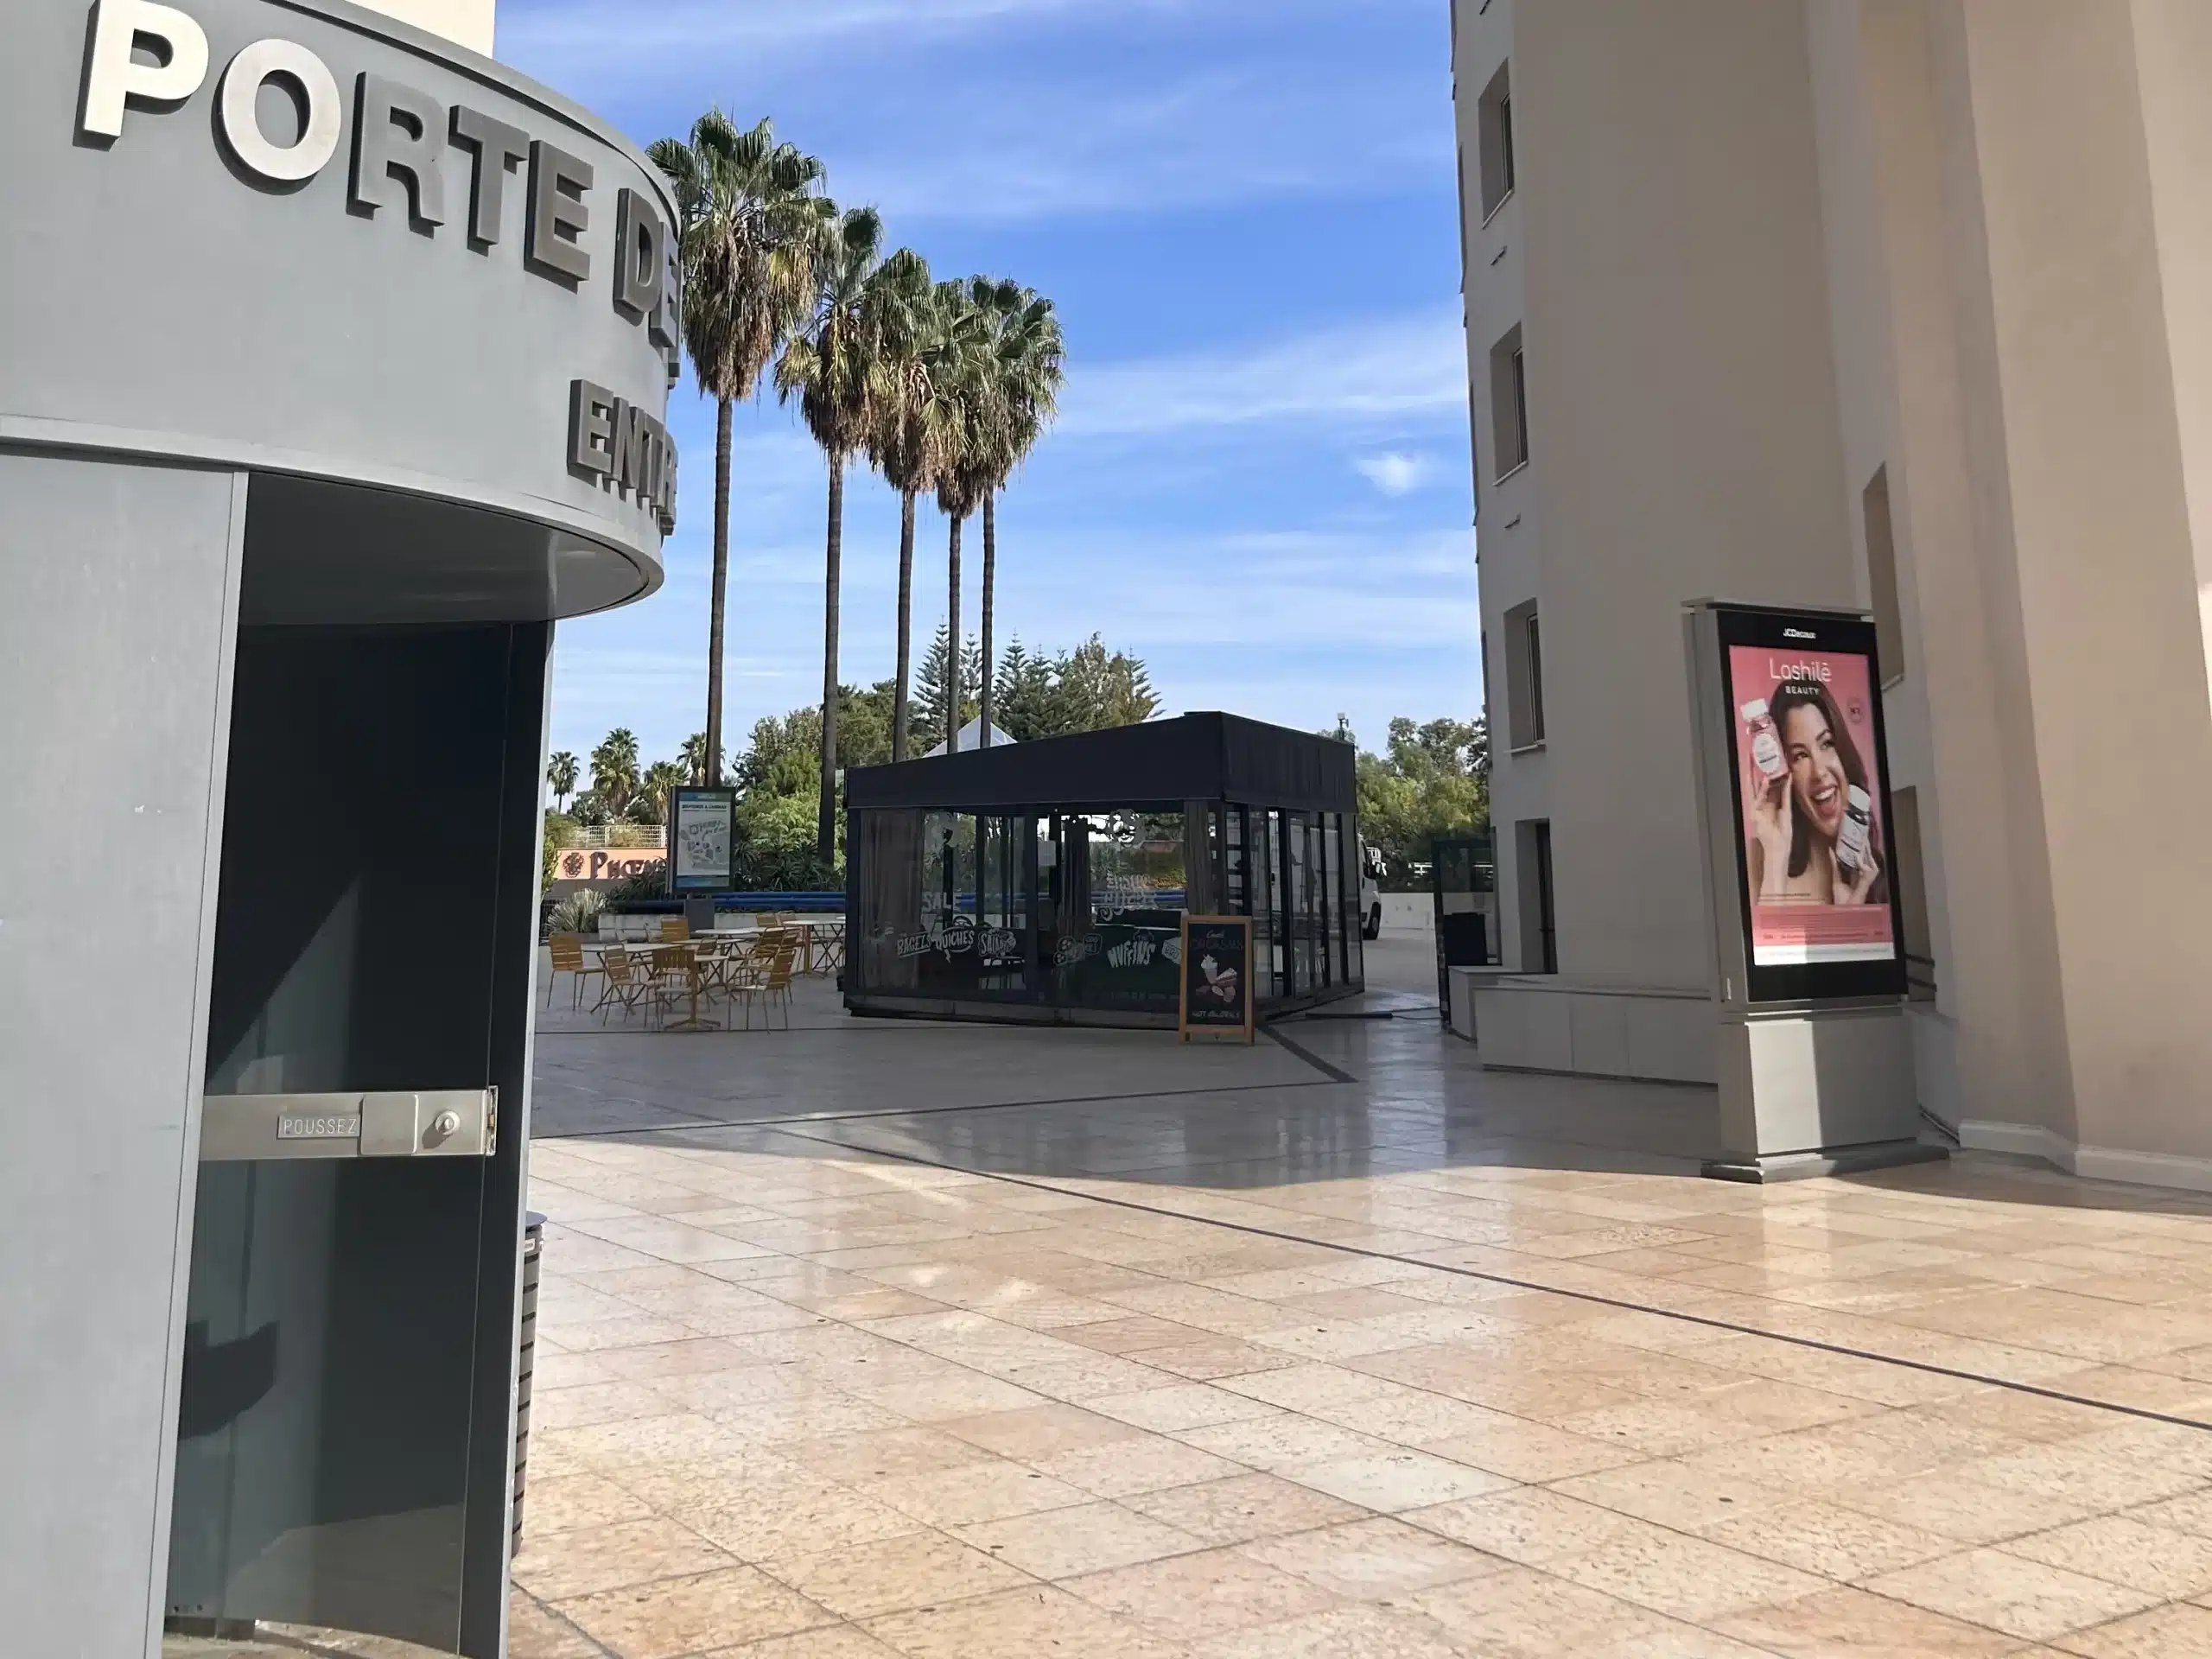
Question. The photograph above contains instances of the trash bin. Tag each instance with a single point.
(533, 1245)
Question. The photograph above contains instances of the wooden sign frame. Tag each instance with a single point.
(1250, 1029)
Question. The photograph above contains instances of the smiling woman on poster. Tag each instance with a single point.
(1813, 839)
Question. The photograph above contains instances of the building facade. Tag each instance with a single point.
(333, 377)
(1894, 306)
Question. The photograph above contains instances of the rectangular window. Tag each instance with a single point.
(1882, 577)
(1509, 402)
(1524, 678)
(1909, 882)
(1539, 914)
(1494, 135)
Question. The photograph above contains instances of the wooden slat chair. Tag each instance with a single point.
(568, 958)
(626, 987)
(769, 984)
(674, 930)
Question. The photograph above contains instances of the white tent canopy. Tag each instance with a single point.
(970, 737)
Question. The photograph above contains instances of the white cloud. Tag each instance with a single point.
(1395, 473)
(1391, 369)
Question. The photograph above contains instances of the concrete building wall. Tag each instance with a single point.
(1664, 256)
(1975, 233)
(118, 601)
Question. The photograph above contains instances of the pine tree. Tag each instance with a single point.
(930, 694)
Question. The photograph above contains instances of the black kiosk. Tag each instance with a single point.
(1047, 881)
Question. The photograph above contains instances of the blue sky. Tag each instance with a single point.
(1244, 210)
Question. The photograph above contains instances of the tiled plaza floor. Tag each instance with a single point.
(1001, 1344)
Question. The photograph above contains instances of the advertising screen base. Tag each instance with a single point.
(1816, 1091)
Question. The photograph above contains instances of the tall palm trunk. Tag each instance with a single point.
(952, 643)
(825, 827)
(906, 623)
(990, 577)
(717, 603)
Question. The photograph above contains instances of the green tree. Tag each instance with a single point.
(915, 417)
(864, 724)
(936, 718)
(1098, 688)
(1024, 358)
(750, 220)
(1024, 693)
(832, 367)
(1432, 781)
(693, 755)
(661, 779)
(561, 777)
(615, 771)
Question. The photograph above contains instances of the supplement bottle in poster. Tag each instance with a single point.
(1766, 742)
(1857, 829)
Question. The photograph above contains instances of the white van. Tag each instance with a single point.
(1370, 891)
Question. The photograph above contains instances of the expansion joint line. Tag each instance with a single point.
(1927, 1368)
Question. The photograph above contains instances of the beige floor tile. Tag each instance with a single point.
(947, 1399)
(1530, 1525)
(917, 1570)
(1360, 1632)
(833, 1641)
(1394, 1480)
(2181, 1631)
(1521, 1449)
(1684, 1576)
(536, 1631)
(676, 1616)
(1527, 1614)
(1131, 1335)
(778, 1520)
(1965, 1509)
(1673, 1493)
(1083, 1538)
(1846, 1624)
(1827, 1539)
(1024, 1624)
(989, 1491)
(1276, 1442)
(1036, 1433)
(1191, 1597)
(1374, 1560)
(2024, 1598)
(566, 1503)
(2124, 1550)
(1241, 1508)
(609, 1558)
(1301, 1387)
(1190, 1405)
(879, 1454)
(1150, 1464)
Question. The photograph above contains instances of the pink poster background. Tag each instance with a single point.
(1785, 934)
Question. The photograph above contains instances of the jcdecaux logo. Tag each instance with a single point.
(148, 57)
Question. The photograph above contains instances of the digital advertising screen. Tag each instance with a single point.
(1812, 805)
(701, 839)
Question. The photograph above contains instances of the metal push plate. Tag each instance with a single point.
(426, 1123)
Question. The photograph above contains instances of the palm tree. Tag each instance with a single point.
(615, 770)
(830, 367)
(962, 369)
(661, 779)
(693, 755)
(1024, 368)
(752, 210)
(561, 777)
(907, 440)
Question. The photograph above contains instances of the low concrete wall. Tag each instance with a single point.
(1539, 1024)
(1408, 912)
